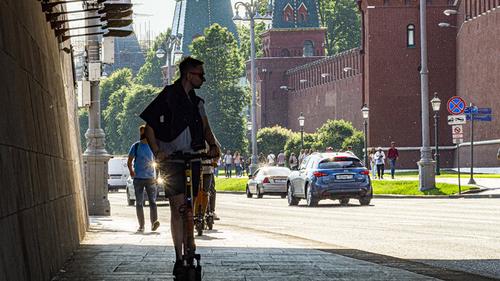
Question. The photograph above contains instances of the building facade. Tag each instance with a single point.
(384, 73)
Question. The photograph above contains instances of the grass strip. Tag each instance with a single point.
(379, 187)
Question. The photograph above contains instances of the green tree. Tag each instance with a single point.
(244, 34)
(272, 139)
(136, 100)
(119, 78)
(357, 142)
(293, 144)
(224, 98)
(333, 133)
(83, 117)
(150, 72)
(343, 23)
(111, 116)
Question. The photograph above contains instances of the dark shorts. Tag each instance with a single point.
(175, 178)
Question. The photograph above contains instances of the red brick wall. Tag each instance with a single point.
(275, 40)
(478, 72)
(392, 76)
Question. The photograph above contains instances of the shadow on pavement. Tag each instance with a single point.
(148, 262)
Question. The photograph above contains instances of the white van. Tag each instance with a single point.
(117, 173)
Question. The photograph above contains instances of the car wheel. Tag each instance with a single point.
(259, 194)
(311, 201)
(292, 201)
(365, 200)
(249, 195)
(344, 201)
(283, 196)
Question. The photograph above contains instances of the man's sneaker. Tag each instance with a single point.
(155, 226)
(216, 218)
(140, 229)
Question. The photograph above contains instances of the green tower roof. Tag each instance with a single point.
(191, 17)
(295, 14)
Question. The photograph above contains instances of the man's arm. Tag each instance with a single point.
(150, 136)
(129, 165)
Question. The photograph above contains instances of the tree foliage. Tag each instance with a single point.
(224, 98)
(83, 118)
(357, 142)
(118, 79)
(244, 34)
(150, 73)
(333, 133)
(343, 23)
(293, 144)
(112, 121)
(272, 139)
(136, 99)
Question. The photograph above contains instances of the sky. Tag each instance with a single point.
(155, 15)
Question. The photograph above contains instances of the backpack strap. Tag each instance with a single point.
(136, 146)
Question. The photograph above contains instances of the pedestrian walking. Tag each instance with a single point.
(237, 163)
(228, 163)
(141, 168)
(281, 159)
(371, 157)
(271, 159)
(301, 156)
(393, 155)
(293, 161)
(379, 162)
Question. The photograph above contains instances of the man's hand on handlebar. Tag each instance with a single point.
(214, 151)
(160, 155)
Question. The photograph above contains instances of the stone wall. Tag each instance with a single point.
(478, 68)
(42, 207)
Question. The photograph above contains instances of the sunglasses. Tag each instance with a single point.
(200, 74)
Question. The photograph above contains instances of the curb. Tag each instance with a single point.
(391, 196)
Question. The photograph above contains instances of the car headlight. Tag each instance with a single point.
(160, 181)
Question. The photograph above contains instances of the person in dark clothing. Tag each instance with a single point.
(393, 155)
(177, 122)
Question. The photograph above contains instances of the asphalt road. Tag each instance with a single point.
(459, 234)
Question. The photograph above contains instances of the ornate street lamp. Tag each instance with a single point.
(436, 104)
(365, 111)
(302, 120)
(172, 43)
(252, 14)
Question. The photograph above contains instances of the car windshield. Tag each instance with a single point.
(339, 163)
(277, 172)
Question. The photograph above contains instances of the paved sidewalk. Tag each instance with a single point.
(112, 251)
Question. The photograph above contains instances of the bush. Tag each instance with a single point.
(273, 139)
(333, 133)
(357, 142)
(293, 143)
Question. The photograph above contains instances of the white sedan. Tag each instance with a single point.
(268, 180)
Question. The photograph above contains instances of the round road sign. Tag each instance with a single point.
(455, 105)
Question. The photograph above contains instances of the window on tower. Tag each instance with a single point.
(410, 36)
(302, 13)
(288, 13)
(308, 48)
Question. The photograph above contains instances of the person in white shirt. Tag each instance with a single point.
(281, 159)
(270, 159)
(379, 162)
(228, 163)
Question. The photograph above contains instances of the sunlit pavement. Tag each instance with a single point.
(113, 250)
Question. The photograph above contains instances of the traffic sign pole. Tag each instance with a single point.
(458, 166)
(471, 180)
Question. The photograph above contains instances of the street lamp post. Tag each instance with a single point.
(366, 112)
(302, 120)
(427, 179)
(172, 42)
(251, 14)
(436, 104)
